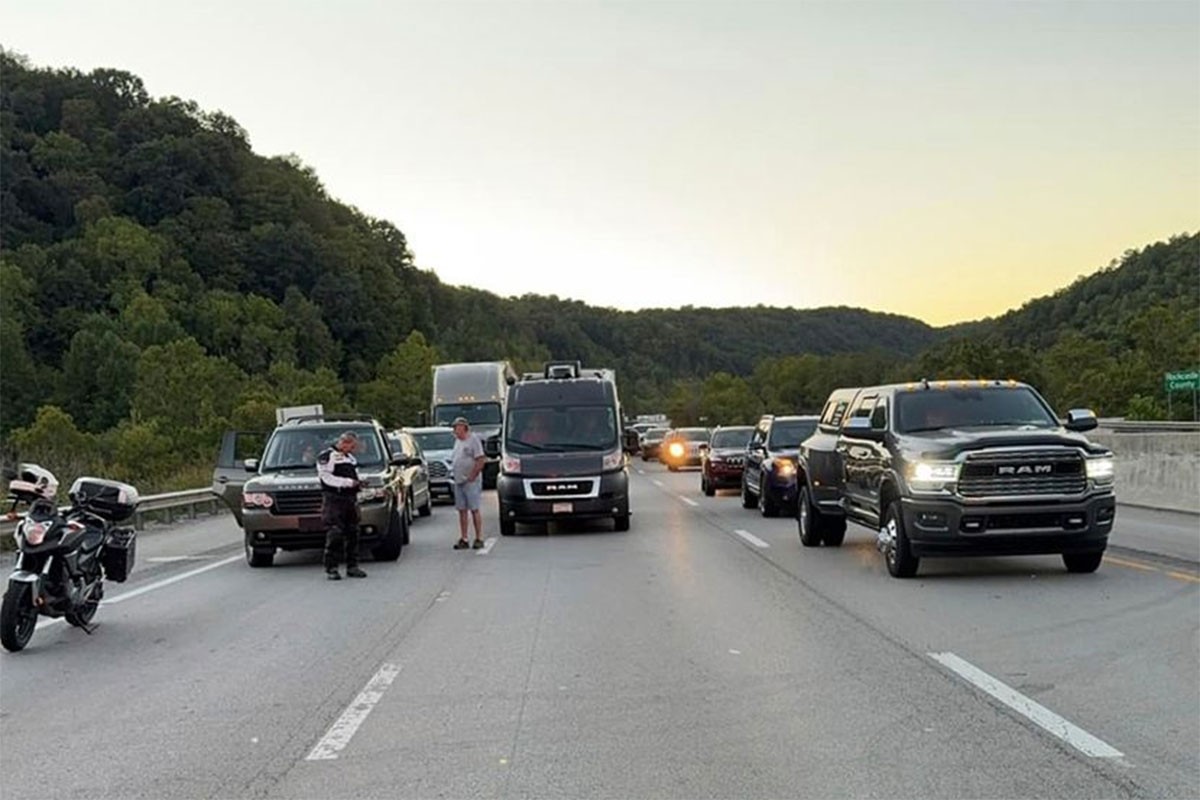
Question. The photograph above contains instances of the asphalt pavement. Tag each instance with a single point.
(703, 653)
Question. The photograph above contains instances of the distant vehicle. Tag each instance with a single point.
(652, 441)
(478, 392)
(769, 477)
(681, 447)
(961, 468)
(437, 444)
(414, 473)
(275, 494)
(724, 459)
(562, 455)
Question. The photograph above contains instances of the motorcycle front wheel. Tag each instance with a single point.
(18, 617)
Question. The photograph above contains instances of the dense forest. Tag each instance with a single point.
(160, 282)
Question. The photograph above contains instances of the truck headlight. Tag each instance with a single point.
(933, 476)
(1101, 469)
(613, 460)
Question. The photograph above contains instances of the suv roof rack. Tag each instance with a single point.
(334, 417)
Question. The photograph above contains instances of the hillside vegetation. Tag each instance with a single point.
(160, 282)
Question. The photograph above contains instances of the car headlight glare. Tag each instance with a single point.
(676, 450)
(1101, 469)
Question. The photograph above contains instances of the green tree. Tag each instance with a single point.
(403, 384)
(53, 441)
(99, 372)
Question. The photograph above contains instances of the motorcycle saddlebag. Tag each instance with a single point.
(110, 500)
(119, 550)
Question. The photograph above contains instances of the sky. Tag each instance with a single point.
(943, 160)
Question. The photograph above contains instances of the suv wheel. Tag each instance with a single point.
(1082, 562)
(766, 504)
(388, 548)
(259, 556)
(748, 498)
(707, 487)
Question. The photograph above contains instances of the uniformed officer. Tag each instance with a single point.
(338, 472)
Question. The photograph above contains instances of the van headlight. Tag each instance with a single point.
(613, 460)
(933, 476)
(1101, 469)
(511, 465)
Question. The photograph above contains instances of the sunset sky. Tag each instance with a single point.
(944, 160)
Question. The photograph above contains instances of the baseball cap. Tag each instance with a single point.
(460, 421)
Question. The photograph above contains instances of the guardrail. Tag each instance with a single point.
(1149, 426)
(163, 507)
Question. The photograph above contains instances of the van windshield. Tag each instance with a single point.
(561, 429)
(475, 413)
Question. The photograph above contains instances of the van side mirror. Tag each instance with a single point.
(1081, 419)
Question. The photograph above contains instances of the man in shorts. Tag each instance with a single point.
(466, 467)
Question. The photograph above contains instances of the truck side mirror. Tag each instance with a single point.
(1081, 419)
(860, 428)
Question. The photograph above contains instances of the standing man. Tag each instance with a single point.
(338, 472)
(466, 465)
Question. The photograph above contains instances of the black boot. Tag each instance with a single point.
(355, 572)
(332, 574)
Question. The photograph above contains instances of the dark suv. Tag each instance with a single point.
(958, 468)
(769, 479)
(277, 500)
(724, 459)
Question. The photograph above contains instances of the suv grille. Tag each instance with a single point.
(438, 469)
(297, 503)
(1034, 472)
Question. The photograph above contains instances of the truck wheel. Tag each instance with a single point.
(901, 563)
(259, 556)
(621, 523)
(835, 531)
(18, 617)
(808, 520)
(748, 498)
(1082, 562)
(388, 549)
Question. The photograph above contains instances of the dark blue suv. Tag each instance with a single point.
(769, 479)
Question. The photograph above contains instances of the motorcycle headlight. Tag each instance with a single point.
(1101, 469)
(257, 500)
(613, 460)
(933, 476)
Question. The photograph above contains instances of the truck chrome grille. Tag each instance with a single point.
(1022, 473)
(437, 469)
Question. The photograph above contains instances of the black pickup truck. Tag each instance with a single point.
(956, 468)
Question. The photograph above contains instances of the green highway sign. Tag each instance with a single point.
(1182, 381)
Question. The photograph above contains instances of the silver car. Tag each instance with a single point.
(437, 445)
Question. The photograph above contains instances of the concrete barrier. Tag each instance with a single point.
(1156, 469)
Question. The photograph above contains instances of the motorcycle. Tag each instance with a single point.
(64, 557)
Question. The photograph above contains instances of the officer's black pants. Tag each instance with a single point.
(340, 515)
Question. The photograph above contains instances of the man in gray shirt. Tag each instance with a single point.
(466, 467)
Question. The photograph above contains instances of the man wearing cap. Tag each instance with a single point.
(466, 466)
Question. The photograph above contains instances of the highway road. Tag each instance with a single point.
(702, 654)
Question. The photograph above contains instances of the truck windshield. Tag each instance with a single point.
(435, 440)
(791, 432)
(935, 409)
(732, 437)
(296, 448)
(475, 413)
(561, 429)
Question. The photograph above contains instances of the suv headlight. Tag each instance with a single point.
(785, 468)
(933, 476)
(613, 460)
(1101, 469)
(370, 494)
(676, 450)
(257, 500)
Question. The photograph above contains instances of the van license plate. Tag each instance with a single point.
(563, 508)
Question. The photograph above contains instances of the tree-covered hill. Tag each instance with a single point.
(159, 282)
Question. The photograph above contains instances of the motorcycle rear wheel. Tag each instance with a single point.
(18, 617)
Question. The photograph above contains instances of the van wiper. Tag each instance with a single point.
(541, 448)
(580, 446)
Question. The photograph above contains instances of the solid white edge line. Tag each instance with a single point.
(150, 587)
(1041, 716)
(656, 481)
(488, 544)
(751, 538)
(689, 501)
(344, 728)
